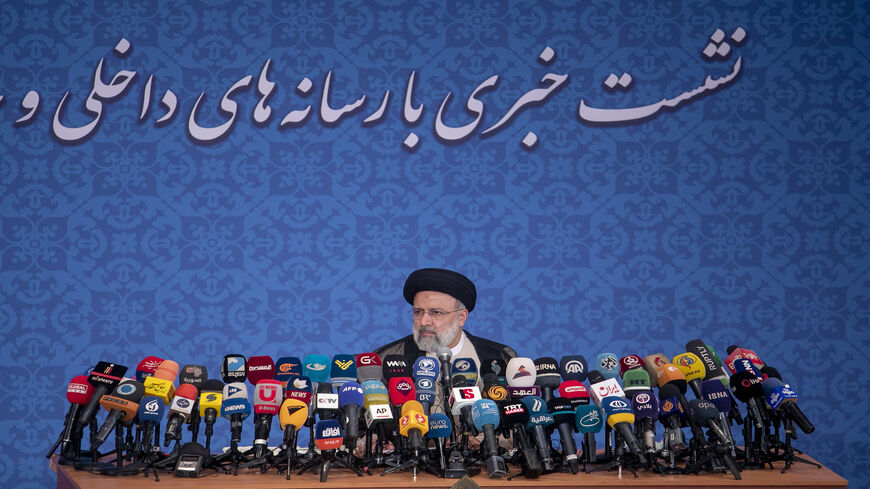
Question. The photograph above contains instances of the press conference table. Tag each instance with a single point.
(799, 475)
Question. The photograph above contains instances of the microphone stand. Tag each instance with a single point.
(618, 460)
(788, 454)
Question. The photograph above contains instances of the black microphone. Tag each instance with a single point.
(564, 416)
(516, 417)
(123, 405)
(747, 388)
(105, 378)
(547, 376)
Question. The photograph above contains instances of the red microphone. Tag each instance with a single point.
(630, 362)
(402, 390)
(147, 367)
(78, 393)
(260, 368)
(574, 391)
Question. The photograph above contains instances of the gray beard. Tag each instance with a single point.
(431, 343)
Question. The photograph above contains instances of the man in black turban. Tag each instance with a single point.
(442, 300)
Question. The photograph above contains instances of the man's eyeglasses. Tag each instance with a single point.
(436, 314)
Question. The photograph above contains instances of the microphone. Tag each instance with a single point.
(147, 367)
(235, 408)
(576, 393)
(161, 383)
(630, 362)
(425, 389)
(462, 400)
(327, 437)
(395, 366)
(635, 380)
(210, 399)
(343, 370)
(601, 387)
(747, 387)
(715, 392)
(588, 421)
(350, 400)
(493, 390)
(260, 368)
(326, 401)
(521, 376)
(693, 369)
(670, 417)
(646, 412)
(547, 376)
(299, 387)
(735, 352)
(122, 405)
(179, 411)
(495, 366)
(608, 365)
(782, 397)
(714, 369)
(401, 391)
(539, 419)
(573, 367)
(369, 367)
(316, 368)
(516, 417)
(620, 417)
(652, 364)
(194, 375)
(376, 403)
(465, 367)
(233, 368)
(705, 414)
(440, 429)
(79, 393)
(413, 424)
(105, 377)
(292, 417)
(287, 367)
(485, 416)
(268, 395)
(444, 355)
(564, 413)
(150, 414)
(426, 367)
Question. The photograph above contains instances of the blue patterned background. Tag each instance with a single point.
(740, 217)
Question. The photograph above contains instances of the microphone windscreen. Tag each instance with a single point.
(168, 370)
(410, 406)
(212, 385)
(645, 405)
(286, 367)
(690, 365)
(547, 372)
(193, 374)
(147, 367)
(369, 367)
(328, 434)
(316, 367)
(350, 393)
(300, 383)
(562, 410)
(493, 389)
(151, 408)
(521, 372)
(711, 363)
(187, 391)
(702, 411)
(573, 367)
(731, 349)
(237, 405)
(608, 365)
(235, 390)
(630, 362)
(268, 395)
(494, 366)
(343, 368)
(374, 392)
(293, 413)
(653, 363)
(768, 372)
(485, 412)
(425, 387)
(395, 366)
(635, 380)
(465, 367)
(439, 426)
(617, 410)
(670, 374)
(426, 367)
(130, 390)
(669, 390)
(79, 390)
(715, 391)
(588, 419)
(574, 391)
(260, 367)
(669, 405)
(402, 390)
(233, 368)
(595, 377)
(535, 405)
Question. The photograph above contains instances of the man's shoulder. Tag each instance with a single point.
(395, 347)
(486, 347)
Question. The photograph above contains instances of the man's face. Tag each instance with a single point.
(437, 321)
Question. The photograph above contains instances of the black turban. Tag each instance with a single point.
(440, 280)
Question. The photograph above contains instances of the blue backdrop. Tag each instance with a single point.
(138, 218)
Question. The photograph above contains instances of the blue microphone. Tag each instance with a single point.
(343, 369)
(350, 399)
(150, 414)
(485, 416)
(440, 429)
(316, 368)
